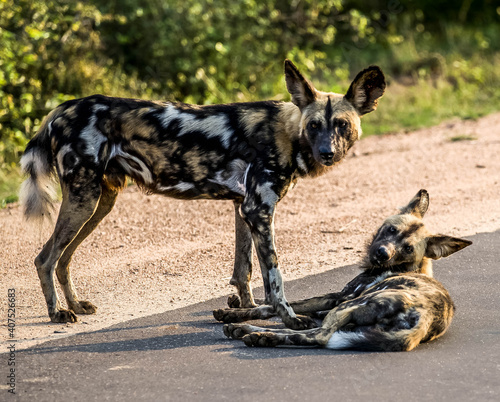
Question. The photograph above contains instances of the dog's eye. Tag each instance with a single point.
(340, 125)
(315, 125)
(391, 229)
(408, 249)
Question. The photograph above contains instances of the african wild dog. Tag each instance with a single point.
(393, 305)
(251, 153)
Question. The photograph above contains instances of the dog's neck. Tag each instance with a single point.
(424, 267)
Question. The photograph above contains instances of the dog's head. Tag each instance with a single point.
(331, 122)
(402, 242)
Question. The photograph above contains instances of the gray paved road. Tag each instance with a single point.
(183, 355)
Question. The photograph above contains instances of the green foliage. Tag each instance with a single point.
(206, 51)
(439, 56)
(42, 43)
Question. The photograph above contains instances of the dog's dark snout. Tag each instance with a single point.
(326, 154)
(382, 254)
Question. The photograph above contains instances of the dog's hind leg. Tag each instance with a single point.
(316, 304)
(244, 314)
(319, 337)
(316, 307)
(269, 338)
(80, 199)
(242, 272)
(105, 205)
(238, 331)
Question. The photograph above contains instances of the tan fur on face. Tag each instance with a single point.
(342, 109)
(417, 238)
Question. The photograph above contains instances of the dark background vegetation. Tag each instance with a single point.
(441, 57)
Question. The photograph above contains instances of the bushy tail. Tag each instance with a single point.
(37, 193)
(372, 338)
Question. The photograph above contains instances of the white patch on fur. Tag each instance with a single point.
(267, 194)
(169, 114)
(301, 163)
(233, 177)
(275, 278)
(37, 193)
(32, 158)
(244, 187)
(181, 186)
(60, 159)
(98, 107)
(93, 138)
(379, 278)
(343, 340)
(184, 186)
(122, 157)
(212, 126)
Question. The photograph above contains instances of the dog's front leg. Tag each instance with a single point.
(258, 211)
(242, 272)
(319, 303)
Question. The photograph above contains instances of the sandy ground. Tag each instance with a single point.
(153, 254)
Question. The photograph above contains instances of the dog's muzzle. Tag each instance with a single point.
(382, 255)
(326, 155)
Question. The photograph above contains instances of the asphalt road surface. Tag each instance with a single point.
(182, 355)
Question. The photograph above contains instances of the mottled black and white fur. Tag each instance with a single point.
(250, 153)
(393, 305)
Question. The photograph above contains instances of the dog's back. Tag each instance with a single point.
(396, 314)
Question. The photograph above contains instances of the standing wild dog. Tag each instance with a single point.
(393, 305)
(250, 153)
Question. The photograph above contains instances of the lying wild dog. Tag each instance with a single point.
(393, 305)
(251, 153)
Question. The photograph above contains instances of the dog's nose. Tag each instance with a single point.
(326, 154)
(382, 254)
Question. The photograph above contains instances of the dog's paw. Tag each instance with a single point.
(262, 339)
(219, 314)
(236, 331)
(229, 315)
(300, 322)
(234, 301)
(63, 316)
(83, 307)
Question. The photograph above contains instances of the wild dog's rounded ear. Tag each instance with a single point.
(439, 246)
(302, 91)
(366, 89)
(418, 205)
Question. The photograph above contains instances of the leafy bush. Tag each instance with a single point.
(42, 45)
